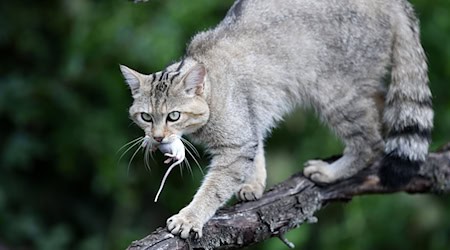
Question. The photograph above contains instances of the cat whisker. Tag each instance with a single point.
(136, 142)
(188, 166)
(182, 165)
(190, 145)
(128, 143)
(195, 160)
(147, 152)
(132, 157)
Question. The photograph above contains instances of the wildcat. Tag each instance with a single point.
(266, 57)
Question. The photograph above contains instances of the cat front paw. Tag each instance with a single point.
(319, 172)
(183, 223)
(250, 192)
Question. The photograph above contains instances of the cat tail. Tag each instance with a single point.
(408, 113)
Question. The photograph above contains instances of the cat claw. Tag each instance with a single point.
(250, 192)
(184, 224)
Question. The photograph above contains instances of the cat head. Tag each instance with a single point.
(169, 102)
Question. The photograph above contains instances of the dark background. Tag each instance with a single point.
(63, 117)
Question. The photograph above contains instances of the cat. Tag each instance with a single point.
(267, 57)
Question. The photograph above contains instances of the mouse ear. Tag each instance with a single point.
(194, 81)
(132, 78)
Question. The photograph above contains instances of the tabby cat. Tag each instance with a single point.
(266, 57)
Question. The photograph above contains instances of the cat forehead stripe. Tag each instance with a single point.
(161, 86)
(164, 82)
(173, 77)
(180, 65)
(153, 78)
(162, 75)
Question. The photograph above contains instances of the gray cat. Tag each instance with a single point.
(267, 57)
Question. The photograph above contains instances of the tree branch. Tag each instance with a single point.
(292, 203)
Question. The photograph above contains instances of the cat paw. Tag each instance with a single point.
(250, 192)
(319, 171)
(183, 224)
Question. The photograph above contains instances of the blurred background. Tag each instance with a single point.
(63, 119)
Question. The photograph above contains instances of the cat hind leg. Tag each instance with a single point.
(253, 189)
(355, 119)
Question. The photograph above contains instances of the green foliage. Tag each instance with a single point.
(63, 116)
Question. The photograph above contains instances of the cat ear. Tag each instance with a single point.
(194, 81)
(132, 78)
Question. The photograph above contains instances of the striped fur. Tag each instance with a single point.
(408, 113)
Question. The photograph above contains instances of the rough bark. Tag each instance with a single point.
(292, 203)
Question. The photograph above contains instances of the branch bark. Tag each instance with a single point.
(292, 203)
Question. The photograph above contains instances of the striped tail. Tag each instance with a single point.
(408, 113)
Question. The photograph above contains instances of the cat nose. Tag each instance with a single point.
(158, 139)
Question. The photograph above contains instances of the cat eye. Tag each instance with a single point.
(173, 116)
(146, 117)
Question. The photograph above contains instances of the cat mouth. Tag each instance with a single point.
(147, 142)
(154, 145)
